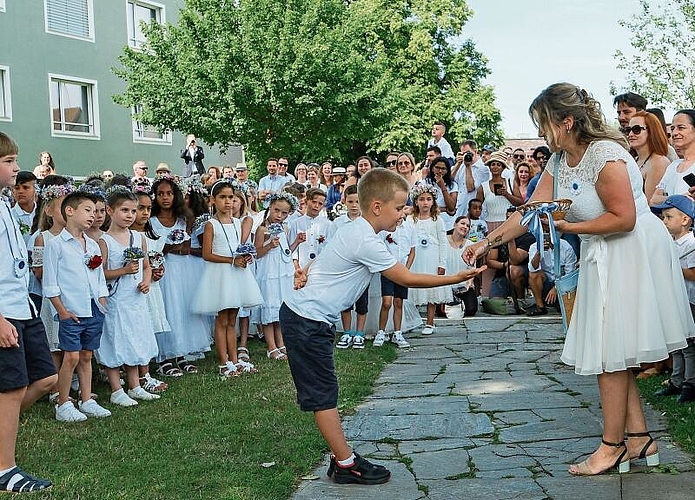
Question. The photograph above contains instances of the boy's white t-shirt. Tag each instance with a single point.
(341, 272)
(685, 247)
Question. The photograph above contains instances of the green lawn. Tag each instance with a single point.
(205, 438)
(681, 416)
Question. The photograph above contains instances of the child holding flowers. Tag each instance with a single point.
(126, 340)
(275, 270)
(227, 283)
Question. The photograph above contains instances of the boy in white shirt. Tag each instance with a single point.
(307, 317)
(541, 269)
(73, 280)
(401, 243)
(678, 213)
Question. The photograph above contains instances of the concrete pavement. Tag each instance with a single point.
(484, 409)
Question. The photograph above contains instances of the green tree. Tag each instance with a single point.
(312, 79)
(662, 68)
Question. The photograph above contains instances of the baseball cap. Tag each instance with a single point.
(683, 203)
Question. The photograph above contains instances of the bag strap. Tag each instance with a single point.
(556, 250)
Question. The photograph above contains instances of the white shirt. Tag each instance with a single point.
(65, 274)
(404, 239)
(24, 218)
(316, 230)
(444, 146)
(568, 260)
(14, 291)
(341, 273)
(685, 248)
(341, 221)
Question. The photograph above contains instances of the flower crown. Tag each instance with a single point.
(117, 188)
(288, 197)
(421, 188)
(95, 190)
(54, 191)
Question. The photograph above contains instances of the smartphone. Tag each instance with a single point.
(690, 179)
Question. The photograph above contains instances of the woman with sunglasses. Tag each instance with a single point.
(647, 137)
(683, 137)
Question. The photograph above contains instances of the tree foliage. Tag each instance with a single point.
(313, 79)
(663, 66)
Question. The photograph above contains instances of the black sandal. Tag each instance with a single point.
(653, 459)
(18, 481)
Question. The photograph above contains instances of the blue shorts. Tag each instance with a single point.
(391, 289)
(82, 336)
(310, 353)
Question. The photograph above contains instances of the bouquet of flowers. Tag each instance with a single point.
(177, 236)
(246, 249)
(131, 254)
(156, 259)
(93, 261)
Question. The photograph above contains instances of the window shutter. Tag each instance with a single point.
(68, 16)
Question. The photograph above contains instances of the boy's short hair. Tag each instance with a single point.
(24, 176)
(379, 184)
(474, 200)
(75, 199)
(314, 192)
(7, 145)
(351, 189)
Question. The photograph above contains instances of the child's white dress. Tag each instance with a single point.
(430, 254)
(190, 332)
(226, 286)
(127, 337)
(155, 300)
(275, 276)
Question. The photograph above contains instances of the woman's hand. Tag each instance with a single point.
(475, 251)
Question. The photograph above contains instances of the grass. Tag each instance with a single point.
(681, 416)
(205, 439)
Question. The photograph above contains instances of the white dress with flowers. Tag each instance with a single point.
(430, 254)
(631, 305)
(190, 332)
(127, 337)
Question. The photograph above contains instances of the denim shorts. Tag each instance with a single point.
(391, 289)
(82, 336)
(310, 352)
(31, 361)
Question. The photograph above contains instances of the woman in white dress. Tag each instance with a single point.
(627, 310)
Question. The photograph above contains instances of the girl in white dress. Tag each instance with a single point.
(126, 339)
(155, 301)
(274, 268)
(226, 284)
(430, 253)
(189, 331)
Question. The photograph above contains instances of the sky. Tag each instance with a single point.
(531, 44)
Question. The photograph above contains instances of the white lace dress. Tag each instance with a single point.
(631, 305)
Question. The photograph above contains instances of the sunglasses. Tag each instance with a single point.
(519, 157)
(635, 129)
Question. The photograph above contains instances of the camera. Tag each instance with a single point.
(468, 157)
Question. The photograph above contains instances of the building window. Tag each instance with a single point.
(74, 107)
(5, 96)
(140, 11)
(148, 133)
(73, 18)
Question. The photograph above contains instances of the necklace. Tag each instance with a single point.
(645, 161)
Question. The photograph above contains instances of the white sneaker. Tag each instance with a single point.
(68, 413)
(120, 398)
(92, 409)
(428, 330)
(345, 341)
(380, 338)
(140, 393)
(398, 339)
(358, 342)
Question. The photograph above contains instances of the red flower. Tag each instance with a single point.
(94, 261)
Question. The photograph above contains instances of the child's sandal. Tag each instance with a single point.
(243, 354)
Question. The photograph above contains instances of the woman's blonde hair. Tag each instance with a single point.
(561, 100)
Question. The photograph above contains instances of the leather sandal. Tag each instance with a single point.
(623, 466)
(653, 459)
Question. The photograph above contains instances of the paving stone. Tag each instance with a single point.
(399, 427)
(402, 486)
(504, 489)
